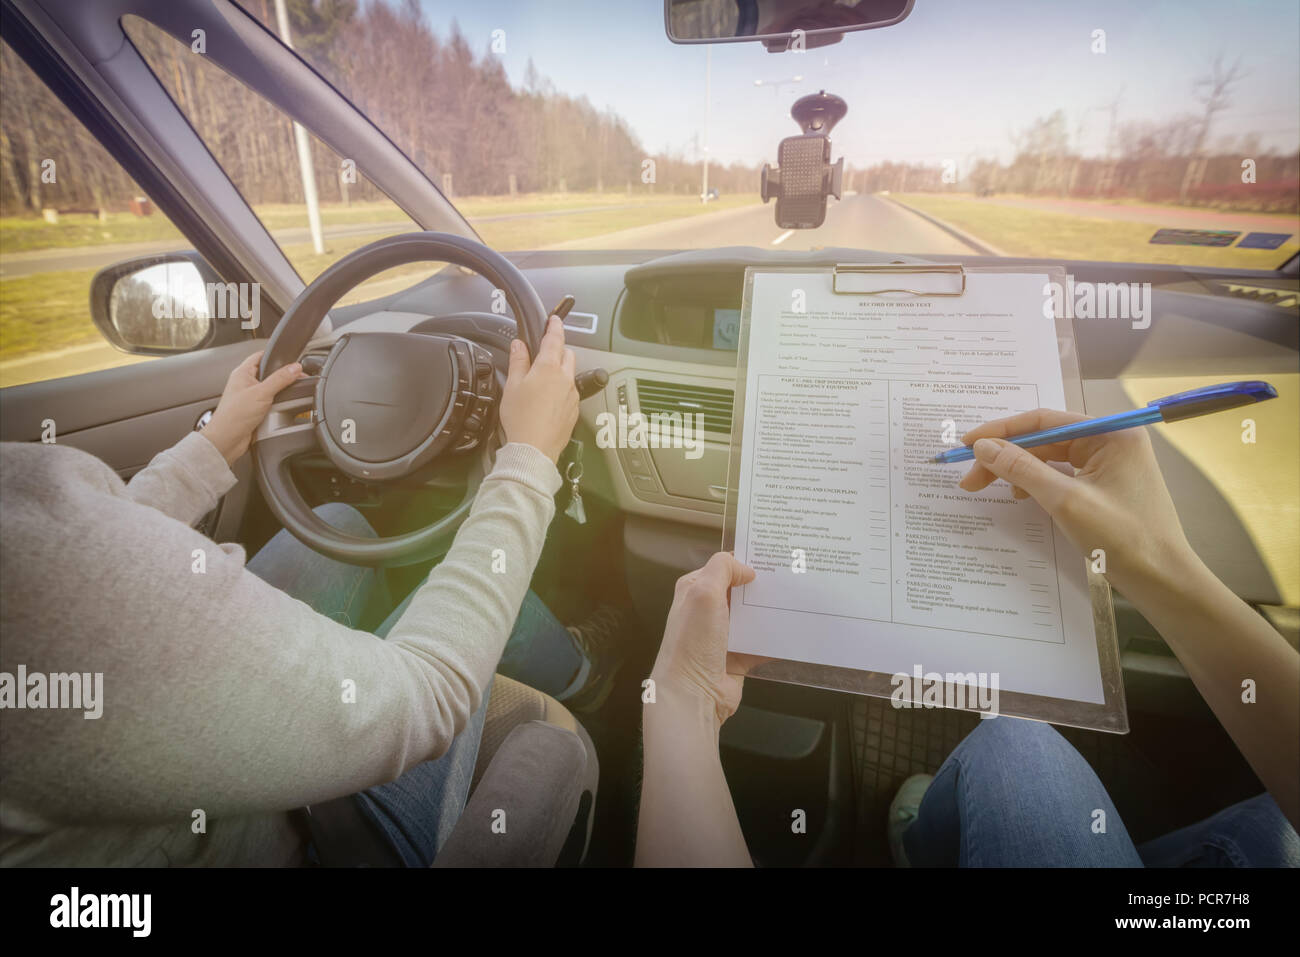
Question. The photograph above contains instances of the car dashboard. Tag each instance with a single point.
(663, 325)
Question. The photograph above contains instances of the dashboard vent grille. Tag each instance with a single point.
(1275, 297)
(670, 397)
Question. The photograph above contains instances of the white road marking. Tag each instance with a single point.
(783, 237)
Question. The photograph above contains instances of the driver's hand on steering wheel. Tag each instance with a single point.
(244, 404)
(540, 404)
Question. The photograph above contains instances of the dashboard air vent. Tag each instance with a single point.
(669, 397)
(1285, 298)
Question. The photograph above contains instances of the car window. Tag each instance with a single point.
(67, 209)
(1074, 141)
(256, 145)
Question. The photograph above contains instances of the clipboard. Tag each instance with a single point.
(870, 279)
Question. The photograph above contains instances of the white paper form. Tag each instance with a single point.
(846, 404)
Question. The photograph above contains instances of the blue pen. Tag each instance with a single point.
(1184, 405)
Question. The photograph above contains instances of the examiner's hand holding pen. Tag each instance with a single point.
(1106, 492)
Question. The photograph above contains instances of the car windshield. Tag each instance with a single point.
(1085, 140)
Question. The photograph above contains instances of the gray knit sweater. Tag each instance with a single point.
(220, 694)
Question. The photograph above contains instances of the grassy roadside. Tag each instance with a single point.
(1052, 235)
(29, 233)
(20, 234)
(43, 312)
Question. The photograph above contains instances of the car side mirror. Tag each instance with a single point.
(167, 304)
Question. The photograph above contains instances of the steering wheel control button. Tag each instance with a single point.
(464, 366)
(483, 370)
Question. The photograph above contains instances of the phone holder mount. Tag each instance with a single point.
(805, 175)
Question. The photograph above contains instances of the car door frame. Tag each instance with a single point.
(83, 54)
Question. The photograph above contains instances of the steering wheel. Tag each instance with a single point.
(386, 404)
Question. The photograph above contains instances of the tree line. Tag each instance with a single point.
(1234, 180)
(1173, 159)
(451, 109)
(454, 111)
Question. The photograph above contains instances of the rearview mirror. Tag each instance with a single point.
(779, 24)
(161, 305)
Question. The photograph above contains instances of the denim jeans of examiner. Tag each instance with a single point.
(1015, 793)
(417, 812)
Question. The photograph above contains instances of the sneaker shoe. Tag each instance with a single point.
(902, 812)
(602, 638)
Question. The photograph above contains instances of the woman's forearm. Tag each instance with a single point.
(687, 818)
(185, 481)
(1223, 644)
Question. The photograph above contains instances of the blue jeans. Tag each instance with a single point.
(416, 812)
(1015, 793)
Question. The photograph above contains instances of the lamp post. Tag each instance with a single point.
(304, 148)
(708, 87)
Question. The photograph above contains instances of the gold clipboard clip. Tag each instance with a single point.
(956, 269)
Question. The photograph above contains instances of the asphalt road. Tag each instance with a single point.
(858, 222)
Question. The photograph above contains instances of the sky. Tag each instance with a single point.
(954, 81)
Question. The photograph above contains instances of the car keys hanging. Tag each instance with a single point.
(573, 474)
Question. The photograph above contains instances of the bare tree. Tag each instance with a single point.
(1213, 91)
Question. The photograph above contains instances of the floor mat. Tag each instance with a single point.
(891, 744)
